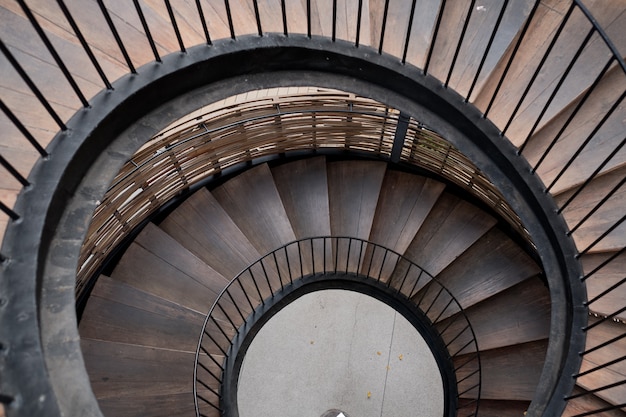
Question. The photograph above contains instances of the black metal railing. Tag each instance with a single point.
(575, 121)
(311, 259)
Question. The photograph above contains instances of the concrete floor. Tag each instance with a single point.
(339, 350)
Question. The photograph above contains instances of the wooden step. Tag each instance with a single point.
(577, 132)
(404, 202)
(303, 190)
(452, 226)
(509, 373)
(492, 264)
(202, 226)
(131, 380)
(120, 313)
(616, 372)
(353, 193)
(589, 403)
(608, 276)
(481, 24)
(605, 217)
(502, 408)
(542, 28)
(519, 314)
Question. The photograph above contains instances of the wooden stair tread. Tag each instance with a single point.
(253, 203)
(151, 406)
(611, 274)
(586, 119)
(452, 226)
(202, 226)
(502, 408)
(303, 189)
(118, 312)
(519, 314)
(589, 403)
(602, 378)
(509, 373)
(616, 372)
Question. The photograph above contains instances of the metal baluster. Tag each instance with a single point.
(116, 35)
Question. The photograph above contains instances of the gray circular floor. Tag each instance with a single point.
(342, 350)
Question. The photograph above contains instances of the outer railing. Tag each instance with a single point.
(576, 34)
(311, 260)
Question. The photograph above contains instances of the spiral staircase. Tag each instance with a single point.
(478, 142)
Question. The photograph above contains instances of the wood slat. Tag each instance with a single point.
(519, 314)
(452, 227)
(353, 192)
(120, 313)
(589, 403)
(510, 373)
(202, 226)
(605, 278)
(502, 408)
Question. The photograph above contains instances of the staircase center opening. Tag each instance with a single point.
(333, 350)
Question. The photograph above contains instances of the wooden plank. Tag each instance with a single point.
(602, 378)
(405, 201)
(502, 408)
(589, 403)
(492, 264)
(616, 372)
(510, 373)
(579, 129)
(202, 226)
(422, 28)
(120, 313)
(353, 192)
(606, 277)
(452, 227)
(517, 315)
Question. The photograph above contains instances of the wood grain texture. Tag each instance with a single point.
(510, 373)
(452, 227)
(202, 226)
(589, 403)
(502, 408)
(606, 277)
(517, 315)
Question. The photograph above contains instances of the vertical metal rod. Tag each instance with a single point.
(203, 21)
(9, 212)
(411, 294)
(586, 142)
(280, 275)
(116, 35)
(487, 50)
(408, 31)
(44, 102)
(300, 258)
(360, 256)
(348, 257)
(236, 305)
(556, 89)
(283, 8)
(571, 117)
(313, 256)
(170, 12)
(380, 272)
(406, 274)
(358, 23)
(384, 26)
(512, 57)
(543, 60)
(256, 286)
(257, 16)
(433, 40)
(53, 52)
(146, 29)
(84, 44)
(245, 294)
(458, 45)
(308, 18)
(288, 265)
(228, 318)
(14, 172)
(267, 278)
(18, 124)
(605, 292)
(334, 32)
(230, 19)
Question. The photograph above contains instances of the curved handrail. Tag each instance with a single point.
(277, 271)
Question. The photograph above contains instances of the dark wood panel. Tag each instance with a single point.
(510, 373)
(353, 192)
(603, 279)
(589, 403)
(489, 266)
(602, 378)
(519, 314)
(502, 408)
(202, 226)
(452, 227)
